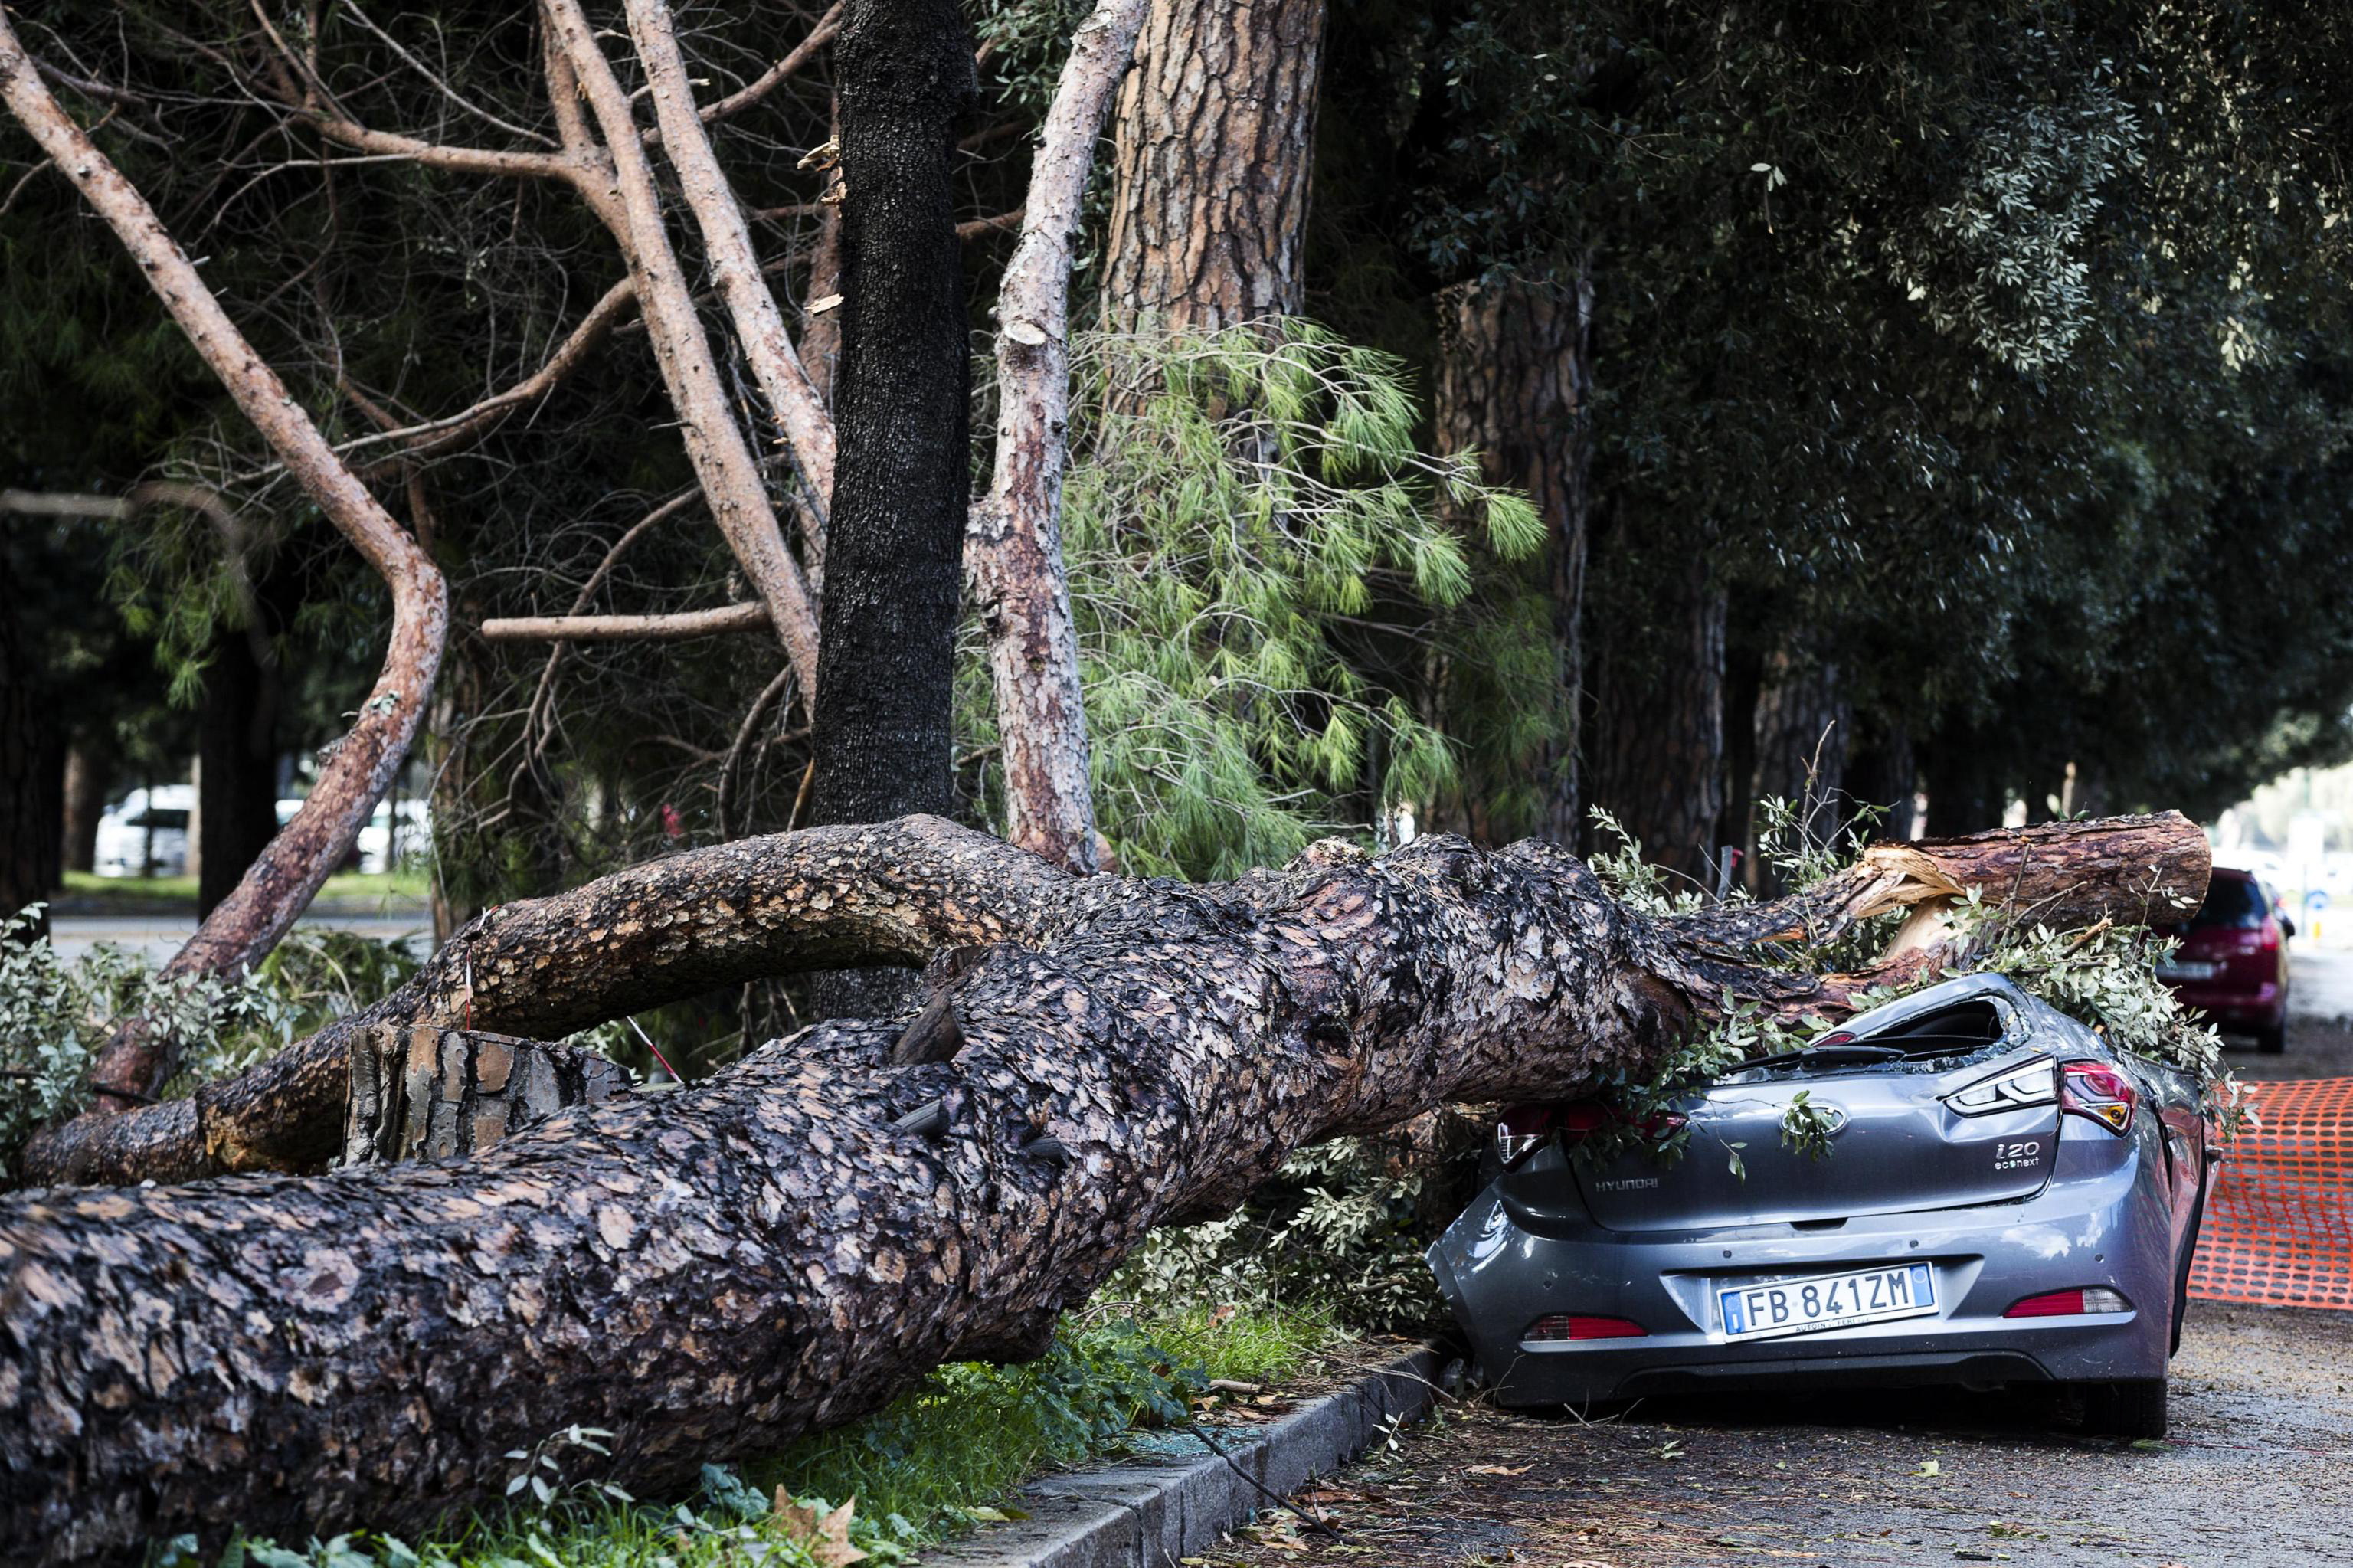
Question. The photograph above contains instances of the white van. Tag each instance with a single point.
(147, 834)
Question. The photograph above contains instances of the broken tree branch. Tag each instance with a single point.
(735, 266)
(709, 1272)
(1013, 548)
(627, 628)
(768, 80)
(434, 437)
(544, 967)
(280, 884)
(619, 185)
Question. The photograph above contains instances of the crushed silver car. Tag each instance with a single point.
(2005, 1199)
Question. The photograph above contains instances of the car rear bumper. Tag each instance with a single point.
(2109, 1230)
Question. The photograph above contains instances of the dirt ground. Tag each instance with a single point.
(2258, 1469)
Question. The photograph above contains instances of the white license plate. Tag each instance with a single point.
(1826, 1301)
(2193, 969)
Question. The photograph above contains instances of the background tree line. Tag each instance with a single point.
(1947, 401)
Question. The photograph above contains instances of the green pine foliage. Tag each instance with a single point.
(1246, 512)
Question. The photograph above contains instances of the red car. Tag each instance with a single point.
(2233, 963)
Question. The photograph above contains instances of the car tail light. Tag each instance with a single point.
(1580, 1326)
(2034, 1085)
(1521, 1127)
(2070, 1303)
(2098, 1091)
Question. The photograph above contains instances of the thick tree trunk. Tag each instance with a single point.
(89, 769)
(32, 768)
(1657, 757)
(1215, 137)
(881, 728)
(1882, 772)
(1515, 385)
(1800, 746)
(1961, 773)
(237, 760)
(1014, 548)
(711, 1271)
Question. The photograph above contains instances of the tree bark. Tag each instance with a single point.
(237, 760)
(1015, 547)
(1217, 131)
(709, 1272)
(1515, 385)
(544, 967)
(32, 768)
(1880, 772)
(628, 628)
(617, 183)
(880, 725)
(281, 883)
(1657, 759)
(89, 767)
(735, 265)
(1801, 731)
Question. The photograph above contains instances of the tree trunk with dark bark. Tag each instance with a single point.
(89, 766)
(1657, 754)
(1881, 773)
(902, 400)
(236, 759)
(710, 1271)
(1515, 385)
(32, 768)
(1800, 747)
(1216, 133)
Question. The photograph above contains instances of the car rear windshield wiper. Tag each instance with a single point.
(1856, 1053)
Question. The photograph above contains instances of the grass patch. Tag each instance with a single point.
(945, 1454)
(154, 890)
(1263, 1341)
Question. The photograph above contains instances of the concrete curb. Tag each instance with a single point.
(1149, 1512)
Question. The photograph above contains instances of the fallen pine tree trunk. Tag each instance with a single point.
(710, 1272)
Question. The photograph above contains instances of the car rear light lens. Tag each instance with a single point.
(2098, 1091)
(1523, 1127)
(2034, 1085)
(1579, 1326)
(2070, 1304)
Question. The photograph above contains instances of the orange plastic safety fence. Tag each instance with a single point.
(2279, 1220)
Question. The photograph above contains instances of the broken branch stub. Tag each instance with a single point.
(709, 1272)
(427, 1093)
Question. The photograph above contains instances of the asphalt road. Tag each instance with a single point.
(159, 934)
(2257, 1471)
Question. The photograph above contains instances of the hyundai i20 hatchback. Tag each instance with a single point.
(2006, 1198)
